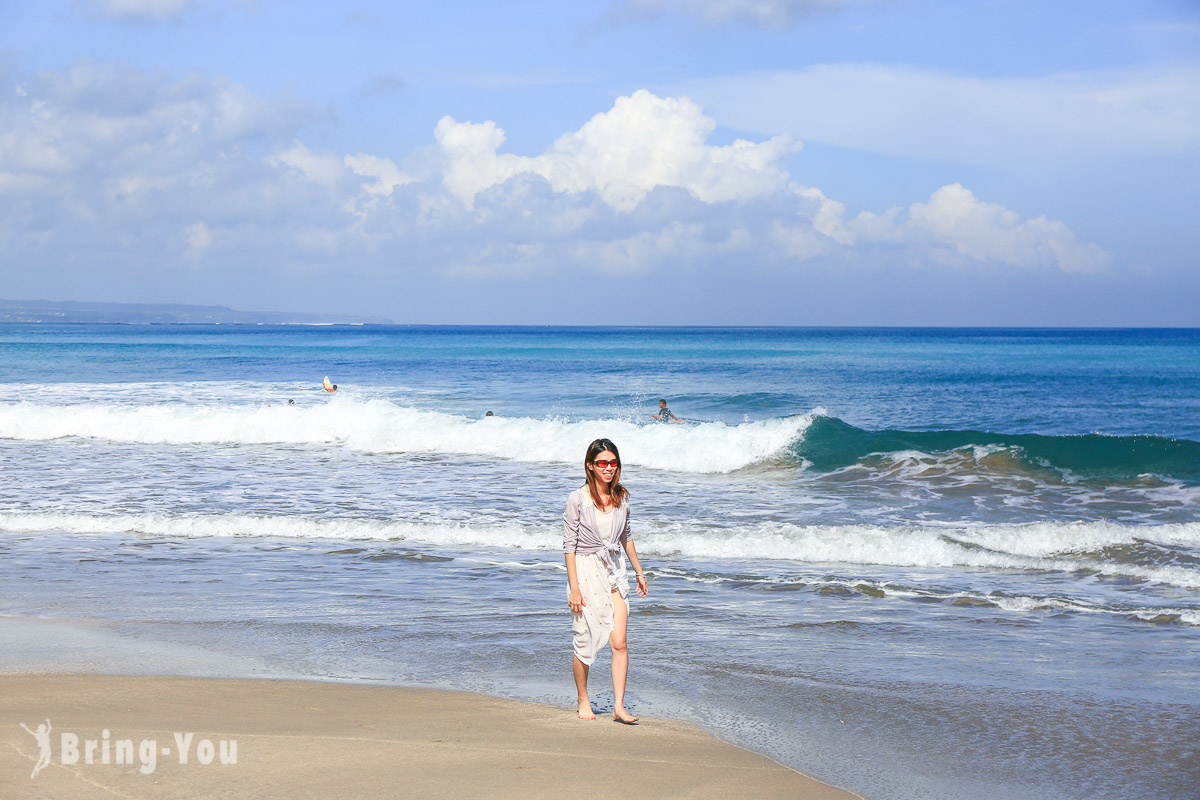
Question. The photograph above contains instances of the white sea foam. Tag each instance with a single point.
(1040, 547)
(961, 462)
(1027, 603)
(290, 527)
(1062, 538)
(125, 394)
(1007, 602)
(381, 426)
(1049, 546)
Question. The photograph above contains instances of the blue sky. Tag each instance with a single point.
(781, 162)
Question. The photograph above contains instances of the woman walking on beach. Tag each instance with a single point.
(595, 527)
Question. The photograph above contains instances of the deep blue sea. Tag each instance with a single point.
(958, 563)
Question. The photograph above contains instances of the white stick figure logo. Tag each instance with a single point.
(42, 734)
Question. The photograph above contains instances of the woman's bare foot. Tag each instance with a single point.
(585, 710)
(623, 716)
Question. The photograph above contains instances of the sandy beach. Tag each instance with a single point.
(311, 739)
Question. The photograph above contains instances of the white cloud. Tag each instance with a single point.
(326, 169)
(797, 243)
(471, 161)
(123, 165)
(644, 250)
(989, 232)
(958, 229)
(643, 142)
(144, 9)
(385, 172)
(199, 237)
(344, 174)
(111, 161)
(776, 13)
(902, 111)
(826, 215)
(134, 126)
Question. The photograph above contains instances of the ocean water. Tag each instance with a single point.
(914, 563)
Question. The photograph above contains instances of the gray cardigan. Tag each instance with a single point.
(579, 527)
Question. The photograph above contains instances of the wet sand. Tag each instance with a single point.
(313, 739)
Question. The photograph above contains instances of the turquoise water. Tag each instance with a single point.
(916, 563)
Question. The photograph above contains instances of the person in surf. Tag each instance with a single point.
(664, 414)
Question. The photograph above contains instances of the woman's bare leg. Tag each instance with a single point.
(620, 657)
(580, 671)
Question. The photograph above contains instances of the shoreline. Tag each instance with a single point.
(332, 739)
(316, 736)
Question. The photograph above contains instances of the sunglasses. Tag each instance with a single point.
(603, 463)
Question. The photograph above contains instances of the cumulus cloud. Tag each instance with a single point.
(344, 175)
(643, 142)
(326, 168)
(107, 159)
(776, 13)
(135, 127)
(921, 113)
(958, 229)
(116, 164)
(387, 176)
(647, 142)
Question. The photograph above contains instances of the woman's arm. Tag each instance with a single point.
(570, 540)
(631, 552)
(643, 588)
(571, 523)
(575, 597)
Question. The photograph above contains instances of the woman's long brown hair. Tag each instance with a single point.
(616, 491)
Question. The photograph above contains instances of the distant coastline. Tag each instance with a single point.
(71, 311)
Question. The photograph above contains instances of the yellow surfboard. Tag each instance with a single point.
(328, 386)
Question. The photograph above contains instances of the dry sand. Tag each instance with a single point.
(298, 739)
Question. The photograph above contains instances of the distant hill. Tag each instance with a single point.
(168, 314)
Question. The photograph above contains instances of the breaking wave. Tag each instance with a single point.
(829, 444)
(1164, 554)
(814, 439)
(381, 426)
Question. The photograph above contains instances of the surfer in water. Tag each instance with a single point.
(664, 414)
(327, 386)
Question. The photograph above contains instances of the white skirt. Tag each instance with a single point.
(592, 626)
